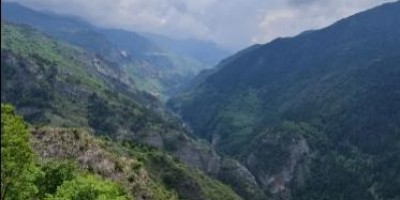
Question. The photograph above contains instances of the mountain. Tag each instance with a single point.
(204, 52)
(154, 69)
(316, 116)
(55, 84)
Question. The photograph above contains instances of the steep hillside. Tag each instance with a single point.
(144, 171)
(72, 164)
(40, 74)
(314, 116)
(154, 69)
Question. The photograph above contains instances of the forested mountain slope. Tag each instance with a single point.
(316, 116)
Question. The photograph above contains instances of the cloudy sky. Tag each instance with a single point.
(233, 24)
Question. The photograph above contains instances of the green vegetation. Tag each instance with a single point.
(18, 167)
(101, 157)
(112, 171)
(35, 68)
(189, 183)
(140, 169)
(22, 177)
(155, 68)
(44, 77)
(29, 43)
(54, 174)
(55, 83)
(88, 187)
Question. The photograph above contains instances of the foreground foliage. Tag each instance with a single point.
(23, 178)
(18, 167)
(88, 187)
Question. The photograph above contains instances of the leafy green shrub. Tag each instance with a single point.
(18, 169)
(55, 173)
(89, 187)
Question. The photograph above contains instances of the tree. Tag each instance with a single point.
(55, 173)
(88, 187)
(18, 168)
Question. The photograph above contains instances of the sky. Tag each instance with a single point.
(232, 24)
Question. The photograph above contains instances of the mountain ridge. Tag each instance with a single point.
(287, 107)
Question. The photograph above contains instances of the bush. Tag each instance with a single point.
(18, 169)
(89, 187)
(55, 173)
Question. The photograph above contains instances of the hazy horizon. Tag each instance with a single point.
(226, 23)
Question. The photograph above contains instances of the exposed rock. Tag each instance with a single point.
(275, 176)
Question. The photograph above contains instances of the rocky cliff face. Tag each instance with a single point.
(200, 154)
(278, 180)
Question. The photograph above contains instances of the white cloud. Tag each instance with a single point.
(297, 16)
(230, 23)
